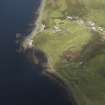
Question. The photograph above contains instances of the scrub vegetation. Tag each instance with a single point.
(72, 35)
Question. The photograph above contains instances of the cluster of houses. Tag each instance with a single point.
(90, 24)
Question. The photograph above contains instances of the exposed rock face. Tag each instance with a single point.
(40, 56)
(36, 56)
(70, 55)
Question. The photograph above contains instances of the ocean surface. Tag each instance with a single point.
(20, 83)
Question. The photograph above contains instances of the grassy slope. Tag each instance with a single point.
(86, 75)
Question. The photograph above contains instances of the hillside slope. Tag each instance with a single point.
(72, 35)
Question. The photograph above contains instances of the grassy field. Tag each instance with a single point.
(75, 50)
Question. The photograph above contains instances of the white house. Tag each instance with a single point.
(42, 27)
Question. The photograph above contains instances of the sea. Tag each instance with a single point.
(20, 82)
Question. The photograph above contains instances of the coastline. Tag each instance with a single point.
(67, 89)
(51, 74)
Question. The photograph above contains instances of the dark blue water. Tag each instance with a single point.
(20, 84)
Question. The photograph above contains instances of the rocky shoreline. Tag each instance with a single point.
(36, 56)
